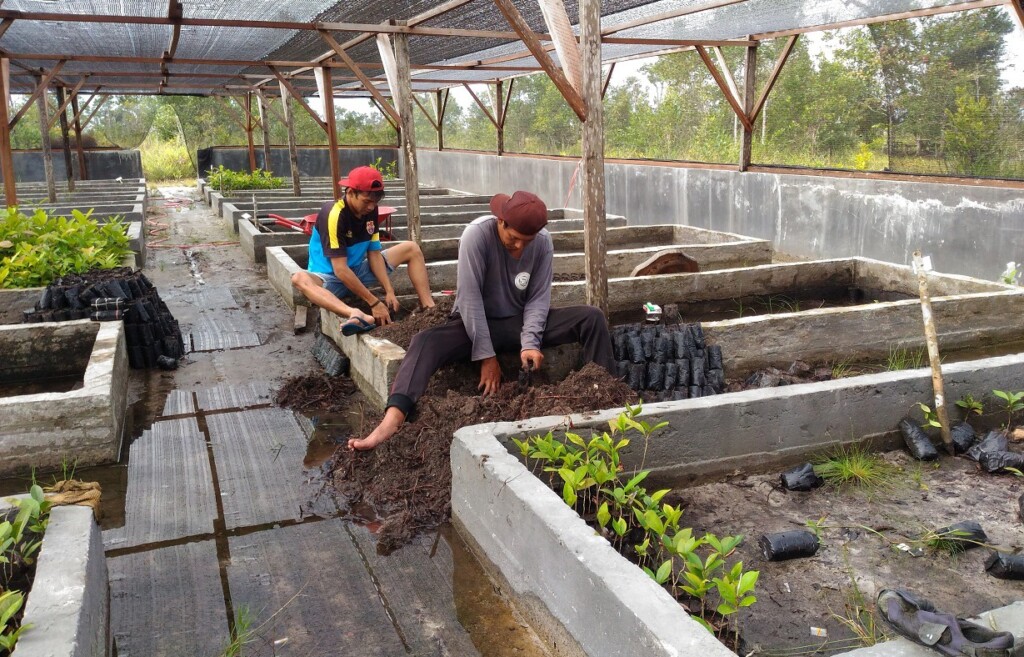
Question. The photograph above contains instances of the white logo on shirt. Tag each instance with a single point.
(523, 280)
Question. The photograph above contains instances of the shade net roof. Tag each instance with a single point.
(121, 53)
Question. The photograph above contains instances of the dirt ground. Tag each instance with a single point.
(407, 480)
(853, 564)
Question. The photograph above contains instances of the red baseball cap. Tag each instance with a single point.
(363, 179)
(523, 211)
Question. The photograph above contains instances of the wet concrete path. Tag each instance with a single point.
(224, 536)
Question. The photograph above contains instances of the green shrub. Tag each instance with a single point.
(36, 249)
(228, 180)
(166, 160)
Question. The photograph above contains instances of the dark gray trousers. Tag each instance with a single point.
(432, 349)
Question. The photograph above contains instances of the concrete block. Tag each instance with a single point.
(282, 262)
(254, 242)
(40, 430)
(68, 609)
(549, 554)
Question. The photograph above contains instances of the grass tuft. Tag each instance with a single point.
(855, 466)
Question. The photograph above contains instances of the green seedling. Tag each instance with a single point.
(228, 181)
(1012, 402)
(931, 418)
(969, 405)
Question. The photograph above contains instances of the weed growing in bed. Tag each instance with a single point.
(639, 523)
(901, 358)
(855, 466)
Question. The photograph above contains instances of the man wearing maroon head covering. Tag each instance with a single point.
(346, 257)
(502, 303)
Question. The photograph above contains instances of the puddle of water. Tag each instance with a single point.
(113, 480)
(330, 431)
(492, 624)
(36, 386)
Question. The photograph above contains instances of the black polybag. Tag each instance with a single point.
(655, 376)
(1005, 566)
(963, 535)
(671, 374)
(993, 462)
(801, 478)
(918, 443)
(963, 437)
(788, 545)
(994, 441)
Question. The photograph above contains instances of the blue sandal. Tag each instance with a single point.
(354, 325)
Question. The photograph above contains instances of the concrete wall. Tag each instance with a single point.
(550, 556)
(68, 611)
(102, 165)
(972, 230)
(313, 160)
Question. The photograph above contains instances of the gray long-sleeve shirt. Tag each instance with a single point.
(492, 284)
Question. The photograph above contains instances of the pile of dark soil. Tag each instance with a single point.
(401, 331)
(772, 377)
(408, 478)
(316, 393)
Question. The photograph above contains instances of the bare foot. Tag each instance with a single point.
(388, 427)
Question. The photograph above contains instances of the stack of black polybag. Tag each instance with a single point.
(667, 362)
(153, 335)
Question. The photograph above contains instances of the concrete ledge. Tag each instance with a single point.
(39, 430)
(282, 262)
(254, 242)
(68, 608)
(546, 552)
(14, 300)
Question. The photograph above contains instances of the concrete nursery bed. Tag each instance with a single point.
(558, 567)
(969, 313)
(14, 300)
(84, 425)
(68, 608)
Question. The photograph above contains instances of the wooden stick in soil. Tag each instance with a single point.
(932, 340)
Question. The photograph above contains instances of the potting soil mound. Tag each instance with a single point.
(401, 331)
(408, 478)
(316, 393)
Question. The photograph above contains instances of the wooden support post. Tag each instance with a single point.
(1018, 8)
(749, 98)
(44, 133)
(932, 340)
(408, 141)
(594, 220)
(247, 105)
(62, 116)
(439, 107)
(293, 150)
(499, 115)
(6, 157)
(326, 87)
(265, 124)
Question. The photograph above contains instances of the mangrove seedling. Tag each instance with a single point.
(1012, 402)
(931, 418)
(969, 405)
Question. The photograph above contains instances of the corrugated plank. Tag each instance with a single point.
(225, 396)
(215, 341)
(178, 402)
(170, 487)
(259, 456)
(314, 579)
(419, 595)
(168, 602)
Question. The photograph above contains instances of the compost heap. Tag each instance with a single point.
(667, 362)
(153, 335)
(408, 478)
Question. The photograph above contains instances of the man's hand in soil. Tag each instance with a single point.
(490, 375)
(381, 314)
(532, 357)
(391, 301)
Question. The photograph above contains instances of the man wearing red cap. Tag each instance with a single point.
(345, 257)
(502, 303)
